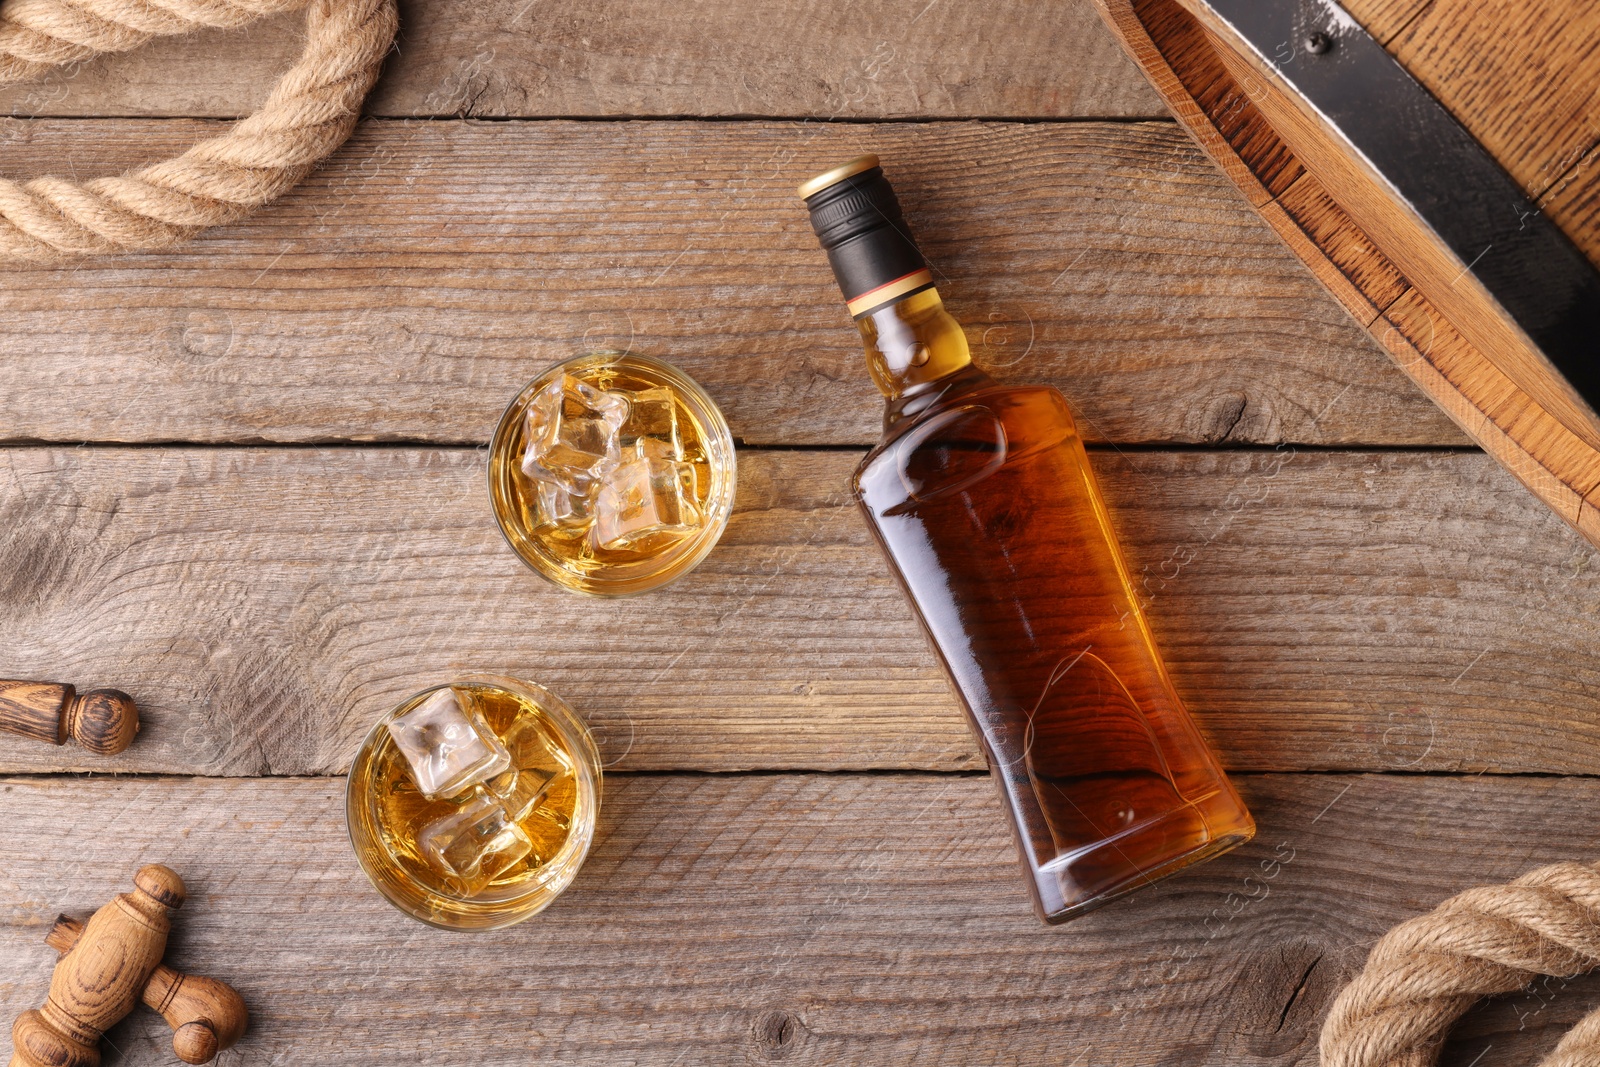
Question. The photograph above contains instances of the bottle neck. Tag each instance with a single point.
(911, 344)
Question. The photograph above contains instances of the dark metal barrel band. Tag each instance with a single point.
(1432, 164)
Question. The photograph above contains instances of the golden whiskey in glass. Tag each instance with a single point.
(612, 474)
(478, 815)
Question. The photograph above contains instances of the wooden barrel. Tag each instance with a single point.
(1436, 163)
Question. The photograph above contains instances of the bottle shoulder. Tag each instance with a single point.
(1007, 422)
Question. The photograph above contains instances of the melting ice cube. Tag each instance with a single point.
(572, 433)
(536, 765)
(645, 500)
(475, 845)
(519, 792)
(650, 448)
(566, 511)
(528, 740)
(652, 425)
(447, 745)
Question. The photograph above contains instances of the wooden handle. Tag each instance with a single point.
(206, 1015)
(100, 980)
(101, 720)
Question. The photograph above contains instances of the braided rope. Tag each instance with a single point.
(1425, 973)
(310, 112)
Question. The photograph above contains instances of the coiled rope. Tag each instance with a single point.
(1425, 973)
(310, 112)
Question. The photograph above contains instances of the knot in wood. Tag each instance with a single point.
(310, 112)
(776, 1033)
(1425, 973)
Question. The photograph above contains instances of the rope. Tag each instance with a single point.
(310, 112)
(1426, 972)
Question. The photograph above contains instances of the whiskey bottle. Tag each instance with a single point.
(981, 496)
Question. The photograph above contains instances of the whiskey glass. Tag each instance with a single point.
(395, 828)
(573, 555)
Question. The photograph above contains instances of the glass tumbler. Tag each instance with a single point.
(503, 846)
(632, 477)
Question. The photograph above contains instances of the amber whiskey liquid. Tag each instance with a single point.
(982, 498)
(420, 850)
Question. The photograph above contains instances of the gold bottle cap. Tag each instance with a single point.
(838, 174)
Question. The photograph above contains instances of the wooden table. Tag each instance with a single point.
(245, 482)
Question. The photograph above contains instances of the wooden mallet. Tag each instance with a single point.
(101, 720)
(110, 964)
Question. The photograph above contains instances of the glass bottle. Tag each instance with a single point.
(981, 496)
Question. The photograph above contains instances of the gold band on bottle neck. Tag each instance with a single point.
(889, 292)
(837, 175)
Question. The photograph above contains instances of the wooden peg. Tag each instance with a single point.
(101, 720)
(100, 981)
(206, 1015)
(111, 963)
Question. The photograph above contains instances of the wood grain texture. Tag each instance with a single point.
(1374, 282)
(205, 1015)
(1406, 612)
(411, 287)
(104, 721)
(1317, 610)
(1524, 79)
(812, 919)
(1561, 468)
(1573, 201)
(35, 710)
(95, 987)
(1385, 18)
(503, 58)
(1556, 465)
(1219, 112)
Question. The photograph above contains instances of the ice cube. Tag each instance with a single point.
(519, 792)
(650, 448)
(570, 512)
(689, 475)
(547, 828)
(653, 417)
(643, 503)
(532, 748)
(537, 763)
(572, 434)
(475, 845)
(447, 744)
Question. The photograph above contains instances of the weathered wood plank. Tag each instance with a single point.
(1318, 610)
(409, 289)
(500, 58)
(817, 919)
